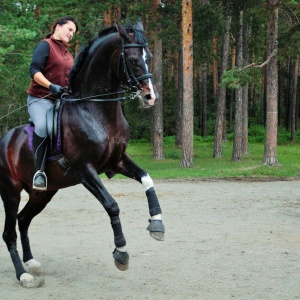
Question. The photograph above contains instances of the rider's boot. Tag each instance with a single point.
(40, 146)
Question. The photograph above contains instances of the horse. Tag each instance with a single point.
(94, 135)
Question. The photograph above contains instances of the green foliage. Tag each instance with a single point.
(17, 35)
(4, 52)
(235, 77)
(289, 33)
(208, 23)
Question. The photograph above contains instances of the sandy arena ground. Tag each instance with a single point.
(224, 239)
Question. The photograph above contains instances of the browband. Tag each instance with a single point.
(135, 45)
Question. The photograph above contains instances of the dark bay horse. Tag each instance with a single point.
(94, 136)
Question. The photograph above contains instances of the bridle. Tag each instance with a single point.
(132, 81)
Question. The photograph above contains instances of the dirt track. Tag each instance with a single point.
(224, 240)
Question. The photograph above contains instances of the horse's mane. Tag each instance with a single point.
(80, 59)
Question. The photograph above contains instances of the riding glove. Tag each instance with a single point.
(55, 89)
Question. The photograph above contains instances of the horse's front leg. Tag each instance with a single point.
(128, 168)
(93, 183)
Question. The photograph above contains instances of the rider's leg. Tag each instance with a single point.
(39, 155)
(37, 109)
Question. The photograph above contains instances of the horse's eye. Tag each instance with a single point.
(132, 61)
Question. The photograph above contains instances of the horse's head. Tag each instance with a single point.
(136, 60)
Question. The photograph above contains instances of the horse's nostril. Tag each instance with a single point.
(148, 97)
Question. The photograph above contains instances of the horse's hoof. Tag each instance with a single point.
(33, 266)
(157, 229)
(121, 260)
(27, 280)
(159, 236)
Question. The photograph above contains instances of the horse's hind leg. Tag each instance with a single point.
(37, 202)
(11, 200)
(130, 169)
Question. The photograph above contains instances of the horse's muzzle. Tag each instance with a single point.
(149, 93)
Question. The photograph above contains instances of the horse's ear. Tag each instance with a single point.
(122, 31)
(139, 25)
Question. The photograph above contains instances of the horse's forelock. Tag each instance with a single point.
(140, 36)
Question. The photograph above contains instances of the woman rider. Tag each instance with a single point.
(50, 65)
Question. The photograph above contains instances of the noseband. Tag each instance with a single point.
(132, 81)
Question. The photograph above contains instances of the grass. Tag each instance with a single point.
(205, 166)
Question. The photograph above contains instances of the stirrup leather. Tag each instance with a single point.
(40, 173)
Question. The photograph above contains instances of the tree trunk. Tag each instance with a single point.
(215, 65)
(288, 100)
(200, 96)
(221, 109)
(179, 114)
(187, 159)
(157, 114)
(111, 15)
(270, 152)
(245, 149)
(238, 119)
(280, 97)
(108, 17)
(293, 97)
(204, 100)
(230, 115)
(297, 104)
(170, 65)
(232, 94)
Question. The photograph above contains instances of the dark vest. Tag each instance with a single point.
(56, 69)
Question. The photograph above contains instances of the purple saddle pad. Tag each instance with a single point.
(56, 144)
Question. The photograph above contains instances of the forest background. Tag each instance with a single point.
(243, 57)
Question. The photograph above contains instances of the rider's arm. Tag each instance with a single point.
(41, 79)
(39, 57)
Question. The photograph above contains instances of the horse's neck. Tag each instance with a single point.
(97, 110)
(96, 77)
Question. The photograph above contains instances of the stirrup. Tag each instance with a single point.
(39, 173)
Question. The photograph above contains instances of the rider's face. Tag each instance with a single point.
(65, 32)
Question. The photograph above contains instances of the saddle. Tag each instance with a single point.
(53, 124)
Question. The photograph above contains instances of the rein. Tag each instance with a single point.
(96, 98)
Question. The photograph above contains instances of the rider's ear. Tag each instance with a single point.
(122, 32)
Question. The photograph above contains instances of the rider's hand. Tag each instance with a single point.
(56, 90)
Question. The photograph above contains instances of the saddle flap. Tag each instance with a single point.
(52, 120)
